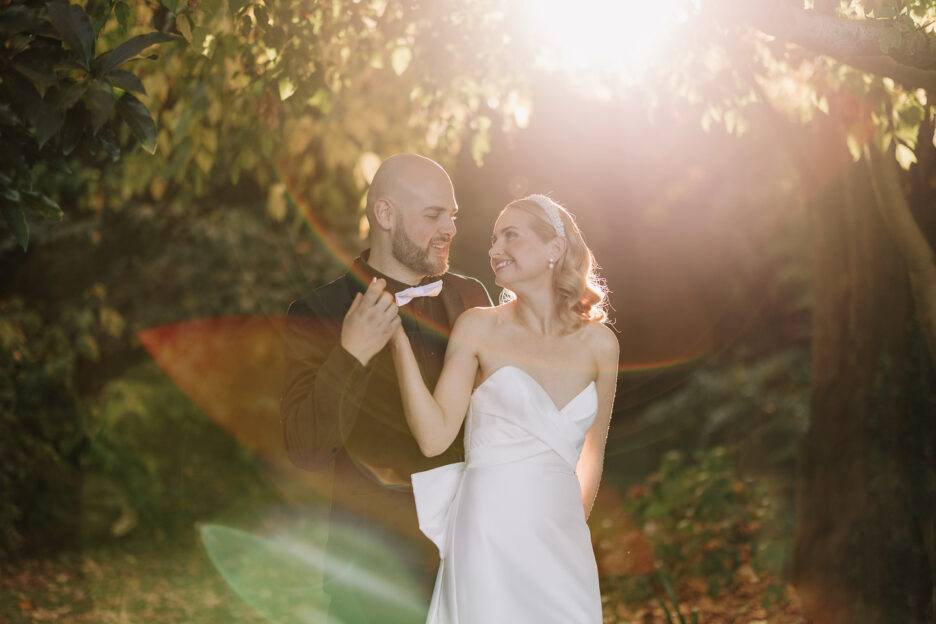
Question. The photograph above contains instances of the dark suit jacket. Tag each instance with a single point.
(337, 412)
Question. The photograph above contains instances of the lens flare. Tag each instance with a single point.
(290, 577)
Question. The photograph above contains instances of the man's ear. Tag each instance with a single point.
(383, 213)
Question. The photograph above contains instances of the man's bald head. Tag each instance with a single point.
(411, 211)
(408, 180)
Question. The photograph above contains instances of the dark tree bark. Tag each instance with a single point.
(865, 493)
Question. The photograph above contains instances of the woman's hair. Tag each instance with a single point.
(581, 294)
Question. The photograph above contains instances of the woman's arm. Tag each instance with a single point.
(436, 420)
(591, 461)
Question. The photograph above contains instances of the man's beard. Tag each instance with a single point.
(410, 255)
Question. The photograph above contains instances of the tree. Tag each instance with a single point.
(265, 120)
(57, 95)
(865, 517)
(284, 108)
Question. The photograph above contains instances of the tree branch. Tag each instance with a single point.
(851, 41)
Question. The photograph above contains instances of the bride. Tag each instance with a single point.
(536, 378)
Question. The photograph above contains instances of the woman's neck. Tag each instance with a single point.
(536, 310)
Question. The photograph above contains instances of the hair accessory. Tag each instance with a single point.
(549, 207)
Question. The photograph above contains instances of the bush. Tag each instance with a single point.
(139, 454)
(157, 462)
(41, 433)
(703, 521)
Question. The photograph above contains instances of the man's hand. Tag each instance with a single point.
(369, 322)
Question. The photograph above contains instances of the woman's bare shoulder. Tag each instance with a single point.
(474, 321)
(602, 340)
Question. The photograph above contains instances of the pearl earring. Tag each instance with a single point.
(552, 263)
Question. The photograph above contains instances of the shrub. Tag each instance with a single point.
(704, 521)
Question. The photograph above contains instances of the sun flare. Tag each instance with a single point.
(615, 37)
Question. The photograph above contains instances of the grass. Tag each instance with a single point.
(138, 581)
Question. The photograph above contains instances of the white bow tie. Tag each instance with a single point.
(426, 290)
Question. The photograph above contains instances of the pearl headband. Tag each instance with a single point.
(549, 207)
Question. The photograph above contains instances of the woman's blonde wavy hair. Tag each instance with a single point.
(581, 293)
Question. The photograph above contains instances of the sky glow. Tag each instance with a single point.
(614, 37)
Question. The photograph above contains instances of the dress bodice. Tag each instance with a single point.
(510, 418)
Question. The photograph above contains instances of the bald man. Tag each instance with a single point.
(341, 405)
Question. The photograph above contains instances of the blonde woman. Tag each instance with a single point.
(533, 379)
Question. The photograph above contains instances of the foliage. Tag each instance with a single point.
(305, 99)
(265, 122)
(156, 460)
(696, 542)
(41, 436)
(73, 465)
(755, 407)
(702, 520)
(58, 97)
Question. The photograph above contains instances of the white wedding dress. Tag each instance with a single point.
(508, 521)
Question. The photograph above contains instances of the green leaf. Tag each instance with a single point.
(912, 115)
(9, 193)
(100, 16)
(43, 205)
(138, 118)
(101, 143)
(855, 147)
(127, 50)
(100, 102)
(38, 70)
(49, 120)
(286, 88)
(263, 18)
(16, 221)
(905, 156)
(122, 11)
(17, 18)
(400, 59)
(73, 129)
(70, 95)
(184, 26)
(21, 94)
(181, 154)
(73, 25)
(126, 81)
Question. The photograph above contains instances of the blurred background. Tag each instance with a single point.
(756, 179)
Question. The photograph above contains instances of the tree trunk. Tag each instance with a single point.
(865, 493)
(917, 254)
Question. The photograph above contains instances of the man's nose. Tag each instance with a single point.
(449, 227)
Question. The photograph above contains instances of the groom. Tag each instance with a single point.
(341, 405)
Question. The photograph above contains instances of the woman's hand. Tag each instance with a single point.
(435, 419)
(399, 338)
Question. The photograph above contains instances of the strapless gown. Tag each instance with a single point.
(508, 521)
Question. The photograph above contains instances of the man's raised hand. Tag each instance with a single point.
(369, 322)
